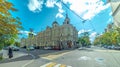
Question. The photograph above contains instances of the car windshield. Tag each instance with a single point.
(60, 33)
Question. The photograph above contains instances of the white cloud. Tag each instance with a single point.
(109, 21)
(59, 5)
(60, 10)
(87, 8)
(50, 3)
(35, 5)
(92, 36)
(110, 14)
(82, 31)
(25, 32)
(59, 15)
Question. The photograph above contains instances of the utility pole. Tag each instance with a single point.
(31, 35)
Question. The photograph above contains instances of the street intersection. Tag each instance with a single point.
(88, 57)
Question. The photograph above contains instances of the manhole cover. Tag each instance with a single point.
(99, 59)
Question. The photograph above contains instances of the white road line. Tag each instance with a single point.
(57, 65)
(46, 64)
(30, 61)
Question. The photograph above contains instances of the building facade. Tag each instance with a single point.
(58, 36)
(115, 4)
(110, 28)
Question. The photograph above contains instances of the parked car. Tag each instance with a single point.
(117, 48)
(37, 47)
(24, 47)
(88, 46)
(47, 48)
(30, 48)
(111, 47)
(105, 46)
(14, 48)
(6, 48)
(56, 48)
(108, 47)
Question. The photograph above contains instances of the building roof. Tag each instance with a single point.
(67, 20)
(55, 22)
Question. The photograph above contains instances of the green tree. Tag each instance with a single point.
(9, 26)
(84, 39)
(108, 38)
(17, 44)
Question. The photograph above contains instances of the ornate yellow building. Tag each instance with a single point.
(58, 36)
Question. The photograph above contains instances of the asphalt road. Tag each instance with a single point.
(23, 58)
(90, 57)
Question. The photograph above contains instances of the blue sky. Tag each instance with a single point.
(38, 14)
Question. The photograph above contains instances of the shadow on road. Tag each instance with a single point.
(35, 53)
(86, 49)
(26, 57)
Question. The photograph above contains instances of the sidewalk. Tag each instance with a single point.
(16, 54)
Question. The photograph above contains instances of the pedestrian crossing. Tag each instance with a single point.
(53, 64)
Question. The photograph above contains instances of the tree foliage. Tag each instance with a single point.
(84, 39)
(17, 44)
(108, 38)
(9, 25)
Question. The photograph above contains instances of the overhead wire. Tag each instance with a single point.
(83, 20)
(72, 11)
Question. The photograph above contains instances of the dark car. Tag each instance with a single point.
(117, 48)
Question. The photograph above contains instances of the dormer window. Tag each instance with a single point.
(55, 24)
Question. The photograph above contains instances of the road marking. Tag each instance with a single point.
(58, 65)
(63, 65)
(52, 57)
(107, 50)
(46, 64)
(30, 61)
(53, 64)
(84, 58)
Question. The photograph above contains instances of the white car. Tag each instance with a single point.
(30, 48)
(47, 48)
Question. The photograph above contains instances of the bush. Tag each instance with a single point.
(1, 57)
(1, 46)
